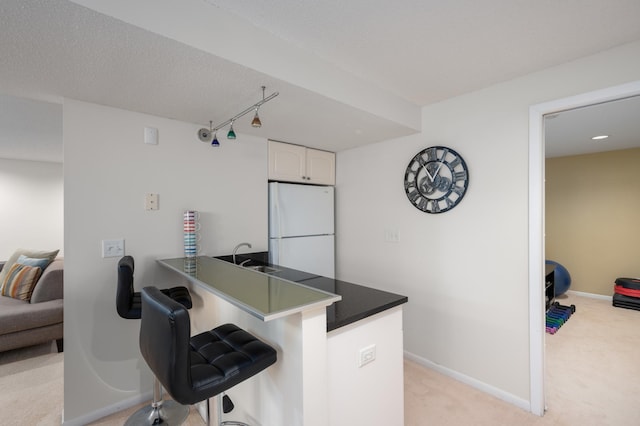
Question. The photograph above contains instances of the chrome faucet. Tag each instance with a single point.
(236, 249)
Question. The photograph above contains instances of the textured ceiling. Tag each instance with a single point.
(201, 60)
(55, 49)
(429, 50)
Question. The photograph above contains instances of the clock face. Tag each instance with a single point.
(436, 179)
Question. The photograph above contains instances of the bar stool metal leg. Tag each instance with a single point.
(215, 418)
(160, 412)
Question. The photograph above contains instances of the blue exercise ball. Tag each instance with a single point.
(562, 279)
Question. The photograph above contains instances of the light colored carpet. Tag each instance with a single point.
(593, 378)
(31, 391)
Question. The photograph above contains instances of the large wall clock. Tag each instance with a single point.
(436, 179)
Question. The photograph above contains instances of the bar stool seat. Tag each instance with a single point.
(129, 306)
(194, 369)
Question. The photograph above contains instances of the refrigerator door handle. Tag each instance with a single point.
(274, 251)
(276, 206)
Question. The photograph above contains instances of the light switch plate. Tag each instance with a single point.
(113, 248)
(391, 236)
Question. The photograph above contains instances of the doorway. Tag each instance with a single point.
(537, 225)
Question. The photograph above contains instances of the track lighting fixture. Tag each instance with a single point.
(205, 134)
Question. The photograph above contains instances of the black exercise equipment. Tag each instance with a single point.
(626, 293)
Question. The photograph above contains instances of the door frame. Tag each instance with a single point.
(537, 225)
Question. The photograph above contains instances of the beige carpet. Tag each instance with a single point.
(31, 391)
(593, 378)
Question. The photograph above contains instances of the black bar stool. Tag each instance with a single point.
(194, 369)
(129, 306)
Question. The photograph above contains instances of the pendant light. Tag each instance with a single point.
(231, 134)
(215, 142)
(256, 119)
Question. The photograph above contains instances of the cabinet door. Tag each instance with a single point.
(286, 162)
(321, 167)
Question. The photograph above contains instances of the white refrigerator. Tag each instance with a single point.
(301, 227)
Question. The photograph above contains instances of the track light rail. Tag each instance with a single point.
(246, 111)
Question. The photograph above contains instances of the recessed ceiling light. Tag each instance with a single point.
(597, 138)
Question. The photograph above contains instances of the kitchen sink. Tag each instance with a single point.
(262, 268)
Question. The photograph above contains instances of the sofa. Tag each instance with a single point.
(38, 320)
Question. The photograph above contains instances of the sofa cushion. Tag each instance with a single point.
(18, 315)
(29, 253)
(33, 261)
(20, 281)
(51, 283)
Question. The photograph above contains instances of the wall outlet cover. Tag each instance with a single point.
(367, 355)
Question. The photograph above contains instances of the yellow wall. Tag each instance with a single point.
(593, 217)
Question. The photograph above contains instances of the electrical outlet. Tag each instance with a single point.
(113, 248)
(367, 355)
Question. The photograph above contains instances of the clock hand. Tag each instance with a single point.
(429, 174)
(444, 154)
(437, 171)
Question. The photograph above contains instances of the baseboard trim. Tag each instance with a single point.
(108, 410)
(474, 383)
(591, 295)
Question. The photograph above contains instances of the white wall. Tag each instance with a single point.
(31, 212)
(466, 271)
(108, 169)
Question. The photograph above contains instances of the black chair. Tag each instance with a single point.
(194, 369)
(129, 306)
(128, 300)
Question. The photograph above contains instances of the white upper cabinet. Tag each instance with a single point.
(295, 163)
(321, 167)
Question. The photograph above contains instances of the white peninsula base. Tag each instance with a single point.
(371, 394)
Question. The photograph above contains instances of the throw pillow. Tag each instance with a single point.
(50, 255)
(20, 281)
(32, 261)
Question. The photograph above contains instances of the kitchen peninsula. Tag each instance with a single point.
(339, 344)
(262, 295)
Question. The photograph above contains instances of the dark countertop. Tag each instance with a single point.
(358, 302)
